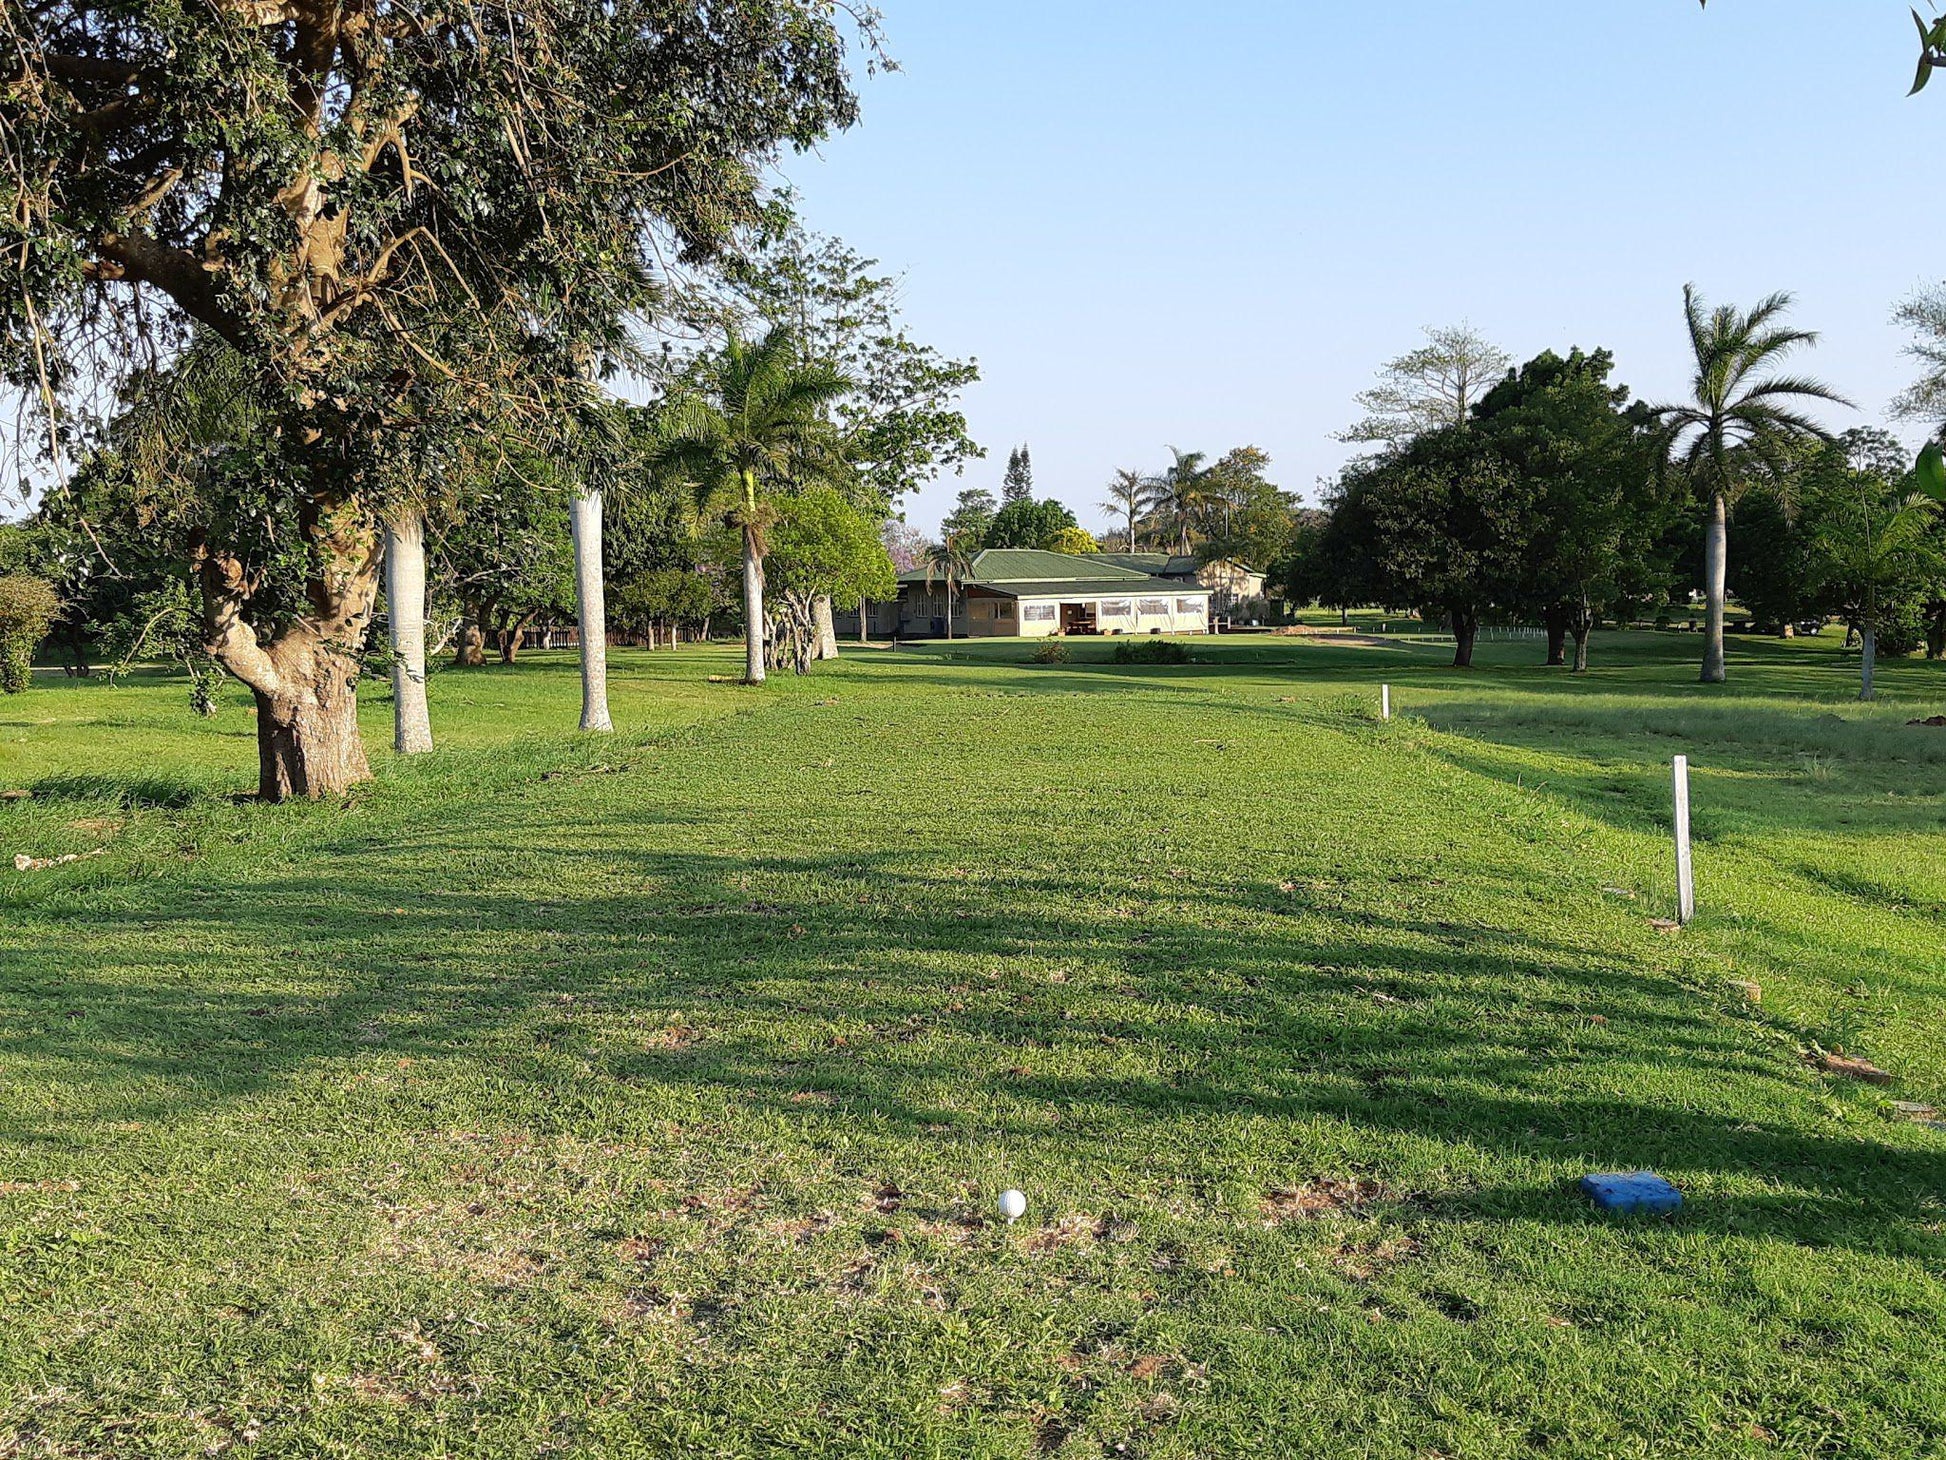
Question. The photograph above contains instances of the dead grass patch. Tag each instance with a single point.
(1319, 1199)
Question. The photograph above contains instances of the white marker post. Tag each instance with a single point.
(1685, 871)
(1385, 702)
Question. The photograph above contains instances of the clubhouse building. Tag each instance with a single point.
(1029, 594)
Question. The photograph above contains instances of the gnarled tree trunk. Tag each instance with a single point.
(591, 609)
(1716, 561)
(306, 679)
(405, 601)
(469, 644)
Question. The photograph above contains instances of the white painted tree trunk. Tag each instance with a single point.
(827, 630)
(753, 612)
(1716, 564)
(405, 595)
(1868, 661)
(591, 609)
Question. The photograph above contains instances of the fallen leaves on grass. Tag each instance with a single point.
(19, 1188)
(676, 1036)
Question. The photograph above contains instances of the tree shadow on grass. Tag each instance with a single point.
(821, 989)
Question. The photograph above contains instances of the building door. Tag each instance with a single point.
(1077, 618)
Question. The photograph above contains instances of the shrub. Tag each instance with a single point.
(27, 607)
(1151, 651)
(1051, 651)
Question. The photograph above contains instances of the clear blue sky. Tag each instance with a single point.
(1206, 225)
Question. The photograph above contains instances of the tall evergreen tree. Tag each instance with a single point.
(1018, 484)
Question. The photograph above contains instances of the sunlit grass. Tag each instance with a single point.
(649, 1095)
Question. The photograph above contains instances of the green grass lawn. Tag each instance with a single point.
(649, 1095)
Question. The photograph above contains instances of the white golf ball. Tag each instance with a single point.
(1013, 1204)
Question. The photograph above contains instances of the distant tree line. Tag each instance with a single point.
(1551, 498)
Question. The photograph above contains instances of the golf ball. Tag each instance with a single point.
(1013, 1204)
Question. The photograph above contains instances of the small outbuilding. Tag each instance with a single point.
(1029, 594)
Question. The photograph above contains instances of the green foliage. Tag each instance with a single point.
(899, 419)
(1151, 651)
(753, 425)
(821, 545)
(27, 606)
(1051, 651)
(165, 623)
(1874, 544)
(663, 596)
(1017, 485)
(1025, 523)
(972, 515)
(1075, 541)
(1743, 420)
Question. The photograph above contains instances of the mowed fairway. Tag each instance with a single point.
(650, 1095)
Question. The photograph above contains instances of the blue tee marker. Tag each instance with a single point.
(1637, 1191)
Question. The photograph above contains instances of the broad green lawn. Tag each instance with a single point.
(650, 1095)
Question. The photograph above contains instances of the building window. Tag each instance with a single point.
(1190, 606)
(1040, 613)
(1118, 608)
(1152, 606)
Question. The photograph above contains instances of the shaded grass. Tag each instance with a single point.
(649, 1095)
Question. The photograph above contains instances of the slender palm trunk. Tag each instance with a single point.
(1868, 660)
(950, 604)
(405, 599)
(1716, 563)
(753, 609)
(591, 610)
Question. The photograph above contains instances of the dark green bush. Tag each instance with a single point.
(1151, 651)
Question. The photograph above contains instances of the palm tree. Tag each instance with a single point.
(1125, 497)
(758, 424)
(1740, 419)
(1182, 492)
(949, 561)
(1874, 537)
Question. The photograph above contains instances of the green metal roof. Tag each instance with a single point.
(1154, 564)
(1011, 566)
(1030, 573)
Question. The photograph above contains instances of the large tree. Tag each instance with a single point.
(403, 216)
(1025, 523)
(757, 426)
(1741, 419)
(1179, 496)
(821, 547)
(1594, 542)
(1430, 388)
(1450, 523)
